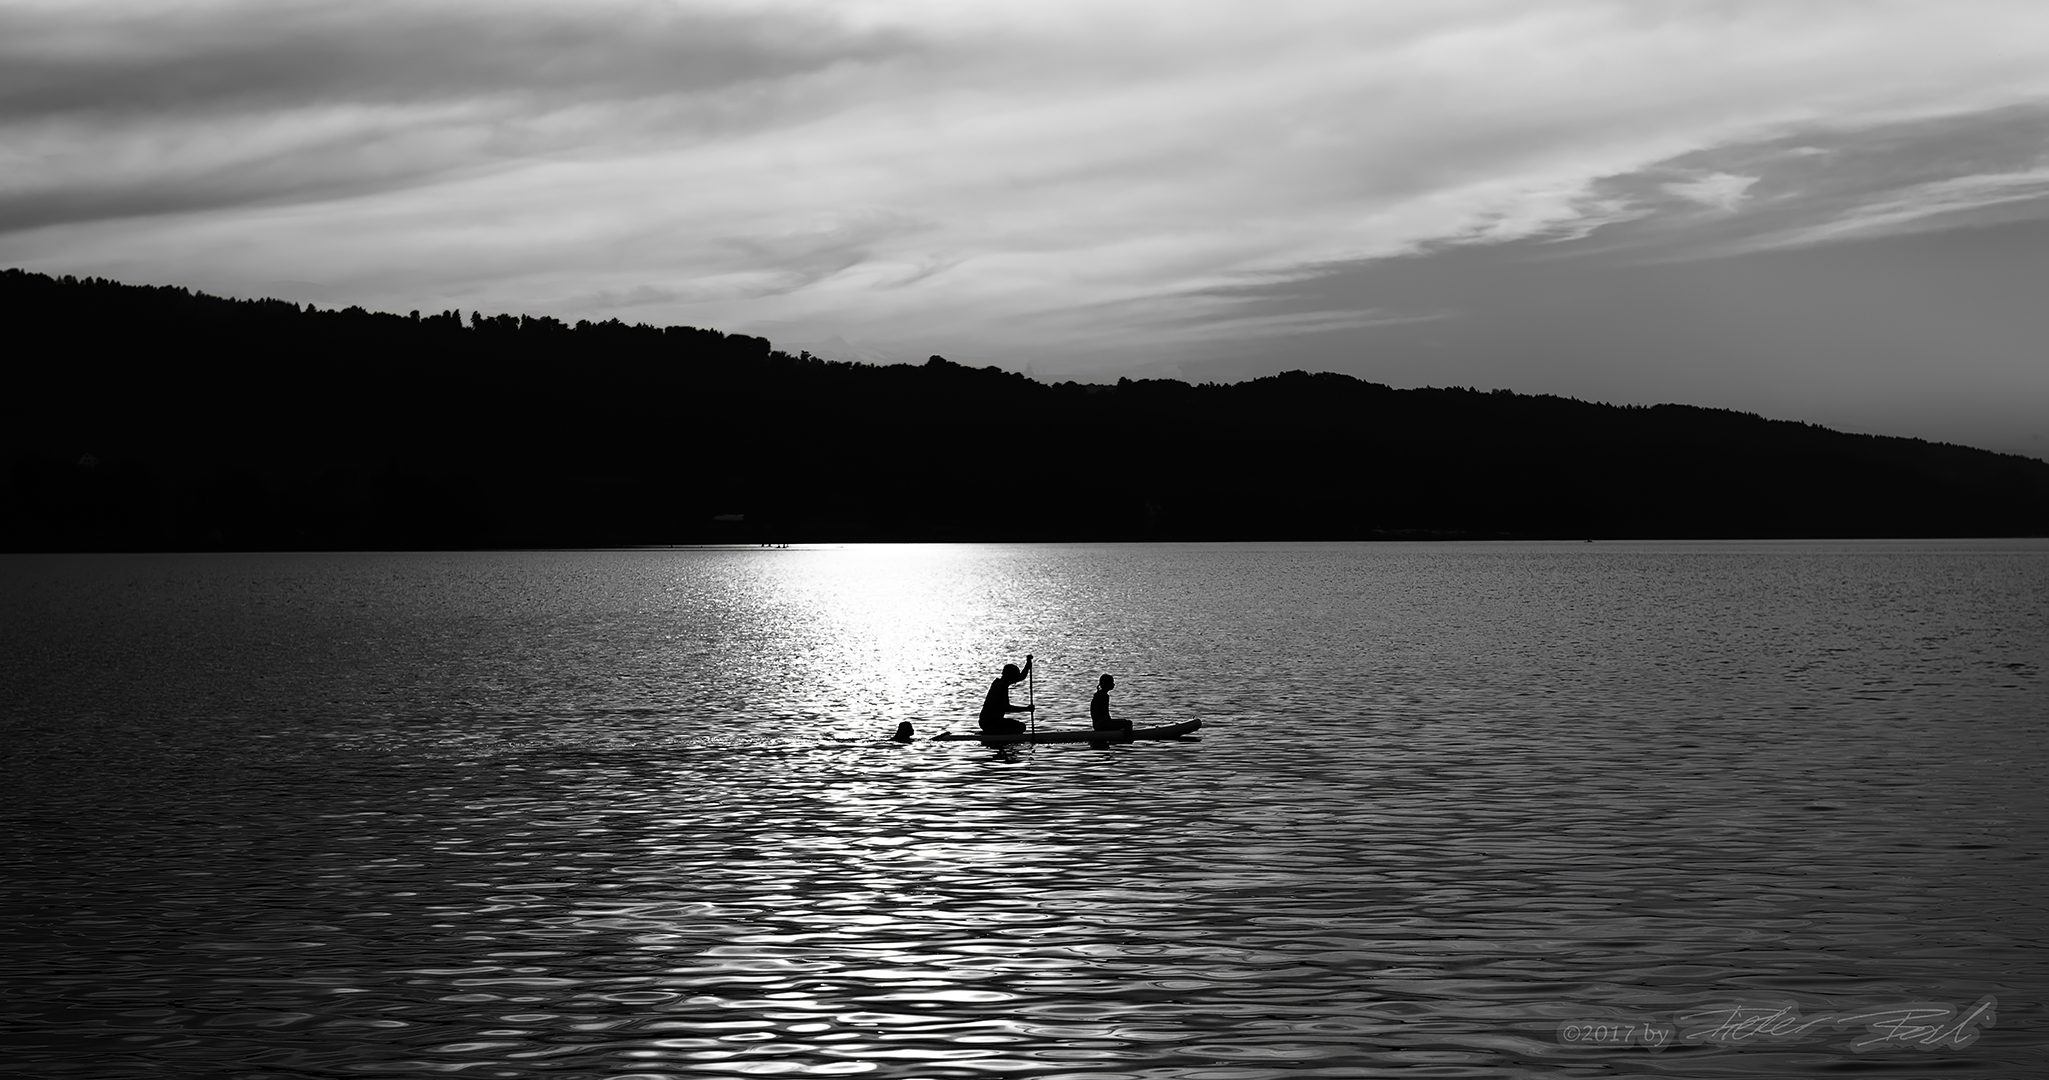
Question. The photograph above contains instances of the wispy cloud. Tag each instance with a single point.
(1822, 183)
(1051, 182)
(1922, 205)
(110, 61)
(114, 110)
(1718, 190)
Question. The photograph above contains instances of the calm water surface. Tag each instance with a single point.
(633, 814)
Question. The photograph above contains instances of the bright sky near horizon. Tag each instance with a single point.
(1832, 210)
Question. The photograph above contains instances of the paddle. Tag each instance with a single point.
(1032, 699)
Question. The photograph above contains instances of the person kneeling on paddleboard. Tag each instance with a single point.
(1099, 708)
(997, 704)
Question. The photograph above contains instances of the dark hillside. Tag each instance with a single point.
(140, 417)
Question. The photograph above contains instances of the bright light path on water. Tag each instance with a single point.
(890, 631)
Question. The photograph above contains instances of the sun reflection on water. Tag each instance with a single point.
(524, 815)
(894, 629)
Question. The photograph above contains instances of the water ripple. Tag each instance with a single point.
(626, 815)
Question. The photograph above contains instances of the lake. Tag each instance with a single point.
(1458, 810)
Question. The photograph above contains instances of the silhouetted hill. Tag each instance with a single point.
(143, 417)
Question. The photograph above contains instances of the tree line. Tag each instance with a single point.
(148, 417)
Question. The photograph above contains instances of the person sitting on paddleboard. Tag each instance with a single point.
(998, 702)
(1099, 708)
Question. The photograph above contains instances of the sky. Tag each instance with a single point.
(1834, 211)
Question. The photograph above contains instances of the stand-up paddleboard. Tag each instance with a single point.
(1183, 730)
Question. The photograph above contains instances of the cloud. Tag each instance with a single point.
(1071, 185)
(104, 60)
(1821, 183)
(1926, 205)
(1720, 191)
(119, 110)
(635, 297)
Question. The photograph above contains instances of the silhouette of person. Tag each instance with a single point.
(1099, 708)
(997, 704)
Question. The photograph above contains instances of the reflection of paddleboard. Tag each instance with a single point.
(1170, 731)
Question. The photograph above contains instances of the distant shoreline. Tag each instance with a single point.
(160, 419)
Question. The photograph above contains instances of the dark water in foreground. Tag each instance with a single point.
(629, 814)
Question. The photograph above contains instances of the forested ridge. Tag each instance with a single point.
(144, 417)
